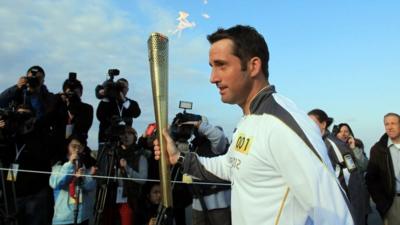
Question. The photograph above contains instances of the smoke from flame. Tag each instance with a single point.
(184, 23)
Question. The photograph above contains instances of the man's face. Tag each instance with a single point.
(234, 84)
(39, 76)
(392, 127)
(77, 91)
(125, 87)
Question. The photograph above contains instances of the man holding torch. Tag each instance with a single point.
(277, 162)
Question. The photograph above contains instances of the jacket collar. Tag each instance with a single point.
(384, 143)
(260, 97)
(389, 143)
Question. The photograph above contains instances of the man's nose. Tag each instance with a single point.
(214, 78)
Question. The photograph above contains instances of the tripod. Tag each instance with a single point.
(9, 212)
(109, 153)
(165, 215)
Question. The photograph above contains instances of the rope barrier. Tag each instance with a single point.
(110, 177)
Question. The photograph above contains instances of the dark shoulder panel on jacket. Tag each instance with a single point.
(264, 103)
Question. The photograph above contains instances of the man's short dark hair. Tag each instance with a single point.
(72, 84)
(37, 68)
(123, 80)
(248, 43)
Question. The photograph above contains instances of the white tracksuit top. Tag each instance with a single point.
(276, 177)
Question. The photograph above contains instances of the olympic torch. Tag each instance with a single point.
(158, 57)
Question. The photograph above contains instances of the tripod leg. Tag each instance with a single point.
(8, 215)
(101, 200)
(103, 190)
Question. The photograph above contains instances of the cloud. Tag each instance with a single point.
(89, 37)
(183, 24)
(205, 16)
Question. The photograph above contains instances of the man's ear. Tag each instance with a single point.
(254, 66)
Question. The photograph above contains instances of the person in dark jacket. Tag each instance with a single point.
(72, 116)
(383, 173)
(211, 203)
(132, 163)
(119, 108)
(26, 150)
(30, 90)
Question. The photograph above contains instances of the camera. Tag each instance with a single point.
(111, 89)
(9, 116)
(183, 132)
(70, 87)
(16, 121)
(116, 129)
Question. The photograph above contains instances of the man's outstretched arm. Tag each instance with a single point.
(214, 169)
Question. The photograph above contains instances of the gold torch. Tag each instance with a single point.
(158, 57)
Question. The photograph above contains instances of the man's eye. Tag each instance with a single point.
(221, 66)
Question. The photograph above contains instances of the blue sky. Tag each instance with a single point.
(340, 56)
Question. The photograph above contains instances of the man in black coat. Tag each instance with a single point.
(383, 172)
(28, 144)
(119, 107)
(30, 90)
(25, 148)
(72, 117)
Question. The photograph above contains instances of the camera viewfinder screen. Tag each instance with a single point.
(185, 105)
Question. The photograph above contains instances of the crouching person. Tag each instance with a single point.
(73, 194)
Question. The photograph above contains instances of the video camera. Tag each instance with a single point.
(111, 89)
(71, 84)
(179, 131)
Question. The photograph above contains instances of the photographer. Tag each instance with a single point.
(132, 163)
(25, 149)
(30, 90)
(73, 194)
(73, 117)
(211, 203)
(115, 103)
